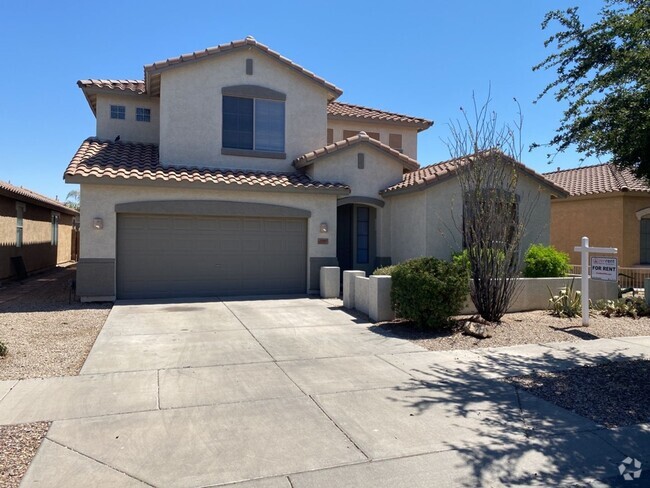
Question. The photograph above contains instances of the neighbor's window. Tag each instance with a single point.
(143, 114)
(645, 241)
(20, 209)
(55, 229)
(253, 123)
(118, 112)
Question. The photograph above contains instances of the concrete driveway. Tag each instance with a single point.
(299, 393)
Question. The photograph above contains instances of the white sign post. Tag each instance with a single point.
(584, 251)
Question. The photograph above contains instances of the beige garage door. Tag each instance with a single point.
(183, 256)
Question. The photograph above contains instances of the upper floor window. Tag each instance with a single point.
(253, 123)
(118, 112)
(143, 114)
(20, 209)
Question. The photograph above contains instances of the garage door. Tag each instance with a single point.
(184, 256)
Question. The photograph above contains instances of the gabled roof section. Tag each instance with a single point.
(124, 87)
(439, 172)
(29, 196)
(110, 160)
(361, 137)
(600, 178)
(346, 111)
(152, 71)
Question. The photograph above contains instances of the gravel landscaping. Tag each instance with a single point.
(18, 445)
(521, 328)
(44, 334)
(614, 394)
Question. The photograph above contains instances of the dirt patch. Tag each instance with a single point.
(18, 445)
(44, 333)
(521, 328)
(614, 394)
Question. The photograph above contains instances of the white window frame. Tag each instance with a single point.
(20, 223)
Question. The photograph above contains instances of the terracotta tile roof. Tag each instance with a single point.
(23, 194)
(601, 178)
(435, 173)
(250, 41)
(310, 157)
(346, 110)
(136, 86)
(119, 160)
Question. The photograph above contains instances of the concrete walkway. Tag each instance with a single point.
(297, 393)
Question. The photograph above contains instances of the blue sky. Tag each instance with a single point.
(422, 58)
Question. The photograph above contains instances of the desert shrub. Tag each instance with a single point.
(3, 349)
(385, 270)
(545, 262)
(567, 303)
(623, 307)
(461, 259)
(428, 291)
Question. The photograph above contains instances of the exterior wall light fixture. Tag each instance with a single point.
(98, 223)
(323, 228)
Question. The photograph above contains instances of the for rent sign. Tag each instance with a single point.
(604, 268)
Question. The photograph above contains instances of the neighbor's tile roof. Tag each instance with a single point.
(435, 173)
(121, 160)
(601, 178)
(310, 157)
(339, 109)
(20, 193)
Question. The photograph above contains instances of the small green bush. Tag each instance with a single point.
(385, 270)
(623, 307)
(428, 291)
(545, 262)
(3, 349)
(461, 259)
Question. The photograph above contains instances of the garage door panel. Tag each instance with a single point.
(175, 256)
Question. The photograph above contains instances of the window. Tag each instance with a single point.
(143, 114)
(363, 235)
(395, 141)
(645, 241)
(118, 112)
(253, 124)
(54, 240)
(20, 209)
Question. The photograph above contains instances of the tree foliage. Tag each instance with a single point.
(72, 199)
(494, 217)
(603, 72)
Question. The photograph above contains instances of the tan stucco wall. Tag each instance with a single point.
(609, 220)
(37, 250)
(428, 222)
(409, 136)
(129, 129)
(191, 111)
(98, 201)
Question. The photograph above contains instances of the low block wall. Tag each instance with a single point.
(372, 295)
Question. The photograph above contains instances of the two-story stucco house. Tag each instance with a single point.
(234, 171)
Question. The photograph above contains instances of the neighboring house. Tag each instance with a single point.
(40, 230)
(234, 171)
(608, 205)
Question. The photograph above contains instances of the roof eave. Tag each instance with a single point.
(420, 126)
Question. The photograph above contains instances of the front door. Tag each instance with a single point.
(356, 237)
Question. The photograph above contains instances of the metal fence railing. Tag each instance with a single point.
(627, 277)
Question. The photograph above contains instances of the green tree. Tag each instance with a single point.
(603, 72)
